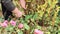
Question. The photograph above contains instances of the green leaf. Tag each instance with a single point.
(35, 16)
(58, 33)
(1, 19)
(20, 32)
(32, 31)
(26, 26)
(38, 27)
(47, 32)
(28, 17)
(49, 2)
(10, 28)
(22, 21)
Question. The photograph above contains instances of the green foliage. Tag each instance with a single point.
(26, 26)
(45, 13)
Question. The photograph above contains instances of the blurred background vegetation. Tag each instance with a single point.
(40, 14)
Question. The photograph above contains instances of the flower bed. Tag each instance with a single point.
(41, 17)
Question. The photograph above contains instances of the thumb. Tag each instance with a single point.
(23, 4)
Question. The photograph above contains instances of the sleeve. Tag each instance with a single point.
(8, 4)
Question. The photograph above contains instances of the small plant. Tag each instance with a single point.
(40, 17)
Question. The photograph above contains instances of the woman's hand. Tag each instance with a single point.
(17, 13)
